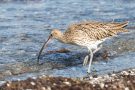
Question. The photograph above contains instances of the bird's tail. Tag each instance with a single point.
(117, 25)
(122, 25)
(116, 31)
(122, 30)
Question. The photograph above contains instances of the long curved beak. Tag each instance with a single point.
(44, 46)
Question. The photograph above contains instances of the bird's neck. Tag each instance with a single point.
(61, 38)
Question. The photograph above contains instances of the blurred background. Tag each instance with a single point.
(25, 24)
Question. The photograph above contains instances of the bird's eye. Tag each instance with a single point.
(51, 35)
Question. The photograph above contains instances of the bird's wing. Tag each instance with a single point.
(115, 25)
(98, 30)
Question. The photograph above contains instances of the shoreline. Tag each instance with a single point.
(124, 80)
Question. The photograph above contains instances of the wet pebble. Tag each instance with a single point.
(126, 88)
(120, 82)
(124, 73)
(67, 83)
(32, 83)
(102, 85)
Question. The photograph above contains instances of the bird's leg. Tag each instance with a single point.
(97, 49)
(91, 58)
(85, 61)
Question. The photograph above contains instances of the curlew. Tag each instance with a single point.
(88, 34)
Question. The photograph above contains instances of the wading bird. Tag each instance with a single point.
(87, 34)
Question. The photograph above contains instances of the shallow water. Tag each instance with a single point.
(24, 25)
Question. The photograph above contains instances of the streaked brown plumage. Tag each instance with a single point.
(96, 30)
(88, 34)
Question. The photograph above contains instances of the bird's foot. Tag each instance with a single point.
(88, 72)
(85, 61)
(93, 72)
(39, 63)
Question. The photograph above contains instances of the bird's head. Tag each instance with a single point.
(56, 34)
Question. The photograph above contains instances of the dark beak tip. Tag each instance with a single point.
(44, 45)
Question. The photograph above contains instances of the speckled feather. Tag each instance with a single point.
(97, 30)
(90, 33)
(87, 34)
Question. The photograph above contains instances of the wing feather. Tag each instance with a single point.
(99, 30)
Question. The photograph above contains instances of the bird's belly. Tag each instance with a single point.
(89, 43)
